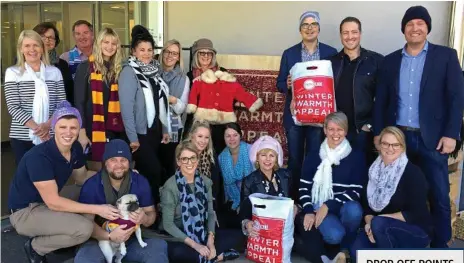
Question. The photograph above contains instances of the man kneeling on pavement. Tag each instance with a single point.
(115, 180)
(37, 210)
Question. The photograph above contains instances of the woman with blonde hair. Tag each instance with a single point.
(189, 214)
(200, 136)
(96, 94)
(172, 72)
(204, 59)
(269, 178)
(330, 189)
(33, 89)
(395, 201)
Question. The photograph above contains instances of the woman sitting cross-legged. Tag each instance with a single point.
(188, 214)
(267, 155)
(235, 164)
(330, 188)
(396, 213)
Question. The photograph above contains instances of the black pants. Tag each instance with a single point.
(227, 217)
(20, 148)
(167, 158)
(217, 135)
(179, 252)
(110, 135)
(146, 159)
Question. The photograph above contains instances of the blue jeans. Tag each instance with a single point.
(340, 227)
(337, 228)
(390, 233)
(156, 251)
(299, 139)
(435, 167)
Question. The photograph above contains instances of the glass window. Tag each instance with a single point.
(120, 17)
(8, 41)
(53, 13)
(30, 16)
(113, 15)
(76, 11)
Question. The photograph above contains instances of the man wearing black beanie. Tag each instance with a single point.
(421, 91)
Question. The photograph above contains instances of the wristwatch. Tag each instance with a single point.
(369, 127)
(244, 229)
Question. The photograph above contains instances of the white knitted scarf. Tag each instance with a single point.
(322, 182)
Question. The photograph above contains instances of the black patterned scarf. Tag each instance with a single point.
(194, 209)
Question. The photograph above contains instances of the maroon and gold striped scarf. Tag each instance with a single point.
(99, 125)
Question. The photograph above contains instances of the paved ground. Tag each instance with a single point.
(12, 244)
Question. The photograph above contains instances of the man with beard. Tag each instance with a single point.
(37, 210)
(355, 70)
(301, 137)
(421, 91)
(106, 187)
(83, 36)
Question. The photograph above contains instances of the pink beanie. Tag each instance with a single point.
(267, 142)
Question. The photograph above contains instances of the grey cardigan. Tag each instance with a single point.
(132, 101)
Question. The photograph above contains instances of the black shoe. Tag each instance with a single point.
(31, 255)
(230, 254)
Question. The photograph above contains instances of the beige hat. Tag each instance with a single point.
(203, 43)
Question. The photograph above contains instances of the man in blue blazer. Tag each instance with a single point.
(299, 137)
(421, 91)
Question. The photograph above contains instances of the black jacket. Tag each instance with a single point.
(83, 96)
(253, 183)
(364, 81)
(410, 198)
(63, 66)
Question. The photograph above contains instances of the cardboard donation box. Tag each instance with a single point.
(313, 92)
(273, 217)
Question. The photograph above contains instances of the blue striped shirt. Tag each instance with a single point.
(347, 181)
(409, 89)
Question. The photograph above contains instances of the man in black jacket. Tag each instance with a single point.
(355, 70)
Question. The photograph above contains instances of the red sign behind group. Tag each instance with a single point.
(268, 120)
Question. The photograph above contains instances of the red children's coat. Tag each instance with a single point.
(212, 97)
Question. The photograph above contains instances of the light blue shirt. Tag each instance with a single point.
(306, 56)
(409, 89)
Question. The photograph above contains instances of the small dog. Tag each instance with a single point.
(126, 204)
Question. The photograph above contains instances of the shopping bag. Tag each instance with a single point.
(273, 217)
(313, 92)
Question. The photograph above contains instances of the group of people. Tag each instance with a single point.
(120, 126)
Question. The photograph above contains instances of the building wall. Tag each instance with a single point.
(268, 28)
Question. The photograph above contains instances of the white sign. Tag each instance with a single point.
(411, 256)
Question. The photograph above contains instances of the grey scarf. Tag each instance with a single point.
(176, 82)
(111, 195)
(383, 181)
(54, 58)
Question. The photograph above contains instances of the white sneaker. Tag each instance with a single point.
(339, 258)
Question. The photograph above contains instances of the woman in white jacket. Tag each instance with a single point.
(33, 89)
